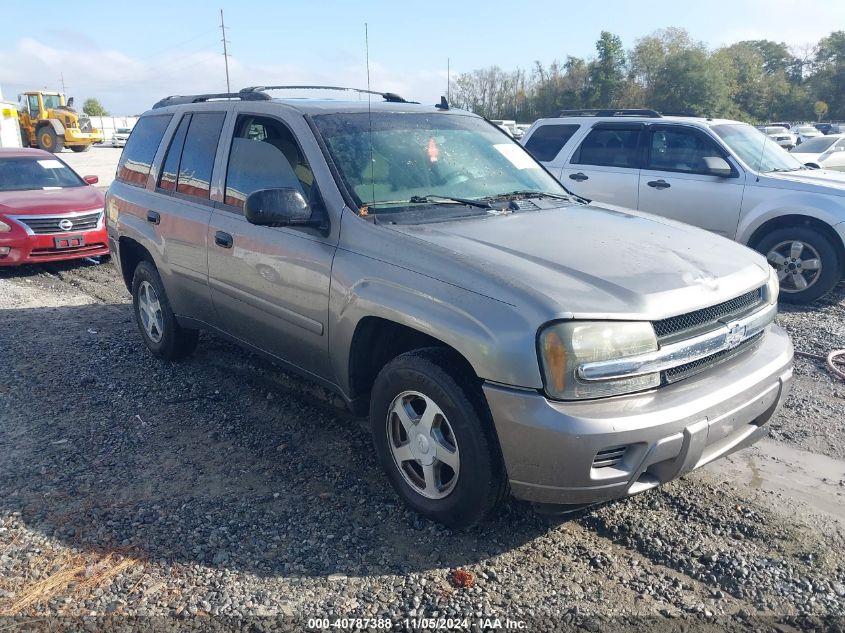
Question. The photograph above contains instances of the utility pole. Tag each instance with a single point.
(64, 92)
(225, 50)
(448, 80)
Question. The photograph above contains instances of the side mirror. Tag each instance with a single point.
(91, 180)
(70, 102)
(718, 166)
(279, 207)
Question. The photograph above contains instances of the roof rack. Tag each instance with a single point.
(258, 93)
(654, 114)
(391, 97)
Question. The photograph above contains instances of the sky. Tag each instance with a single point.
(129, 56)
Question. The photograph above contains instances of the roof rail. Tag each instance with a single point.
(392, 97)
(182, 99)
(611, 112)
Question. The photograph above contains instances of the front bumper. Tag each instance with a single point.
(25, 248)
(553, 450)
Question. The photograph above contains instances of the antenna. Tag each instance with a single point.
(370, 110)
(64, 92)
(225, 51)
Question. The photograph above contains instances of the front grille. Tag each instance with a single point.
(609, 457)
(707, 318)
(697, 366)
(51, 224)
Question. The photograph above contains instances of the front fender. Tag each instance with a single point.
(58, 128)
(491, 335)
(825, 208)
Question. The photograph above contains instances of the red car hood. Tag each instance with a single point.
(50, 201)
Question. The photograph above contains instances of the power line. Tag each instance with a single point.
(225, 51)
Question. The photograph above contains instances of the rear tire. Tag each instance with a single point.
(80, 148)
(807, 261)
(446, 466)
(48, 140)
(163, 336)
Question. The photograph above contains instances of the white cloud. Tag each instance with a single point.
(130, 85)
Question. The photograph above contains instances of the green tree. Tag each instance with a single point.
(92, 107)
(607, 72)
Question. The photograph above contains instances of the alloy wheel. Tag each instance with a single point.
(149, 309)
(798, 265)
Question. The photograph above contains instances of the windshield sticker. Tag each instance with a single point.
(518, 157)
(50, 163)
(50, 188)
(433, 152)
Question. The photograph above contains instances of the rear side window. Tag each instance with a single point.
(170, 169)
(198, 154)
(137, 157)
(610, 147)
(548, 140)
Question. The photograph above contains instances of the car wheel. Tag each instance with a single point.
(807, 262)
(434, 438)
(48, 140)
(164, 337)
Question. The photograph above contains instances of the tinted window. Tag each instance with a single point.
(609, 146)
(198, 154)
(170, 168)
(548, 140)
(137, 157)
(264, 155)
(680, 150)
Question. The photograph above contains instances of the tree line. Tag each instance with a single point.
(753, 80)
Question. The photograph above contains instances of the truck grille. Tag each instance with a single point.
(52, 224)
(686, 325)
(697, 366)
(609, 457)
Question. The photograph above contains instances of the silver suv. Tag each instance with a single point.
(500, 334)
(723, 176)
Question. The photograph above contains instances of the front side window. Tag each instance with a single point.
(547, 141)
(412, 156)
(680, 150)
(23, 174)
(198, 154)
(755, 149)
(33, 105)
(265, 155)
(137, 157)
(610, 146)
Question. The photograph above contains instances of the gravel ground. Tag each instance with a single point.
(225, 486)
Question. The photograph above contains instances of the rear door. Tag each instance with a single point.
(270, 285)
(675, 183)
(605, 166)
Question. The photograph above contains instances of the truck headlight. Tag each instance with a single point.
(564, 346)
(772, 287)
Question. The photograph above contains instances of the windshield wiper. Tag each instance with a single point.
(527, 193)
(437, 198)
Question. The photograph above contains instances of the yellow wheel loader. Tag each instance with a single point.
(47, 122)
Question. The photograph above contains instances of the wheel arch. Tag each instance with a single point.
(799, 219)
(57, 126)
(131, 253)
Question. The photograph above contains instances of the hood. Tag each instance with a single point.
(816, 180)
(593, 262)
(49, 201)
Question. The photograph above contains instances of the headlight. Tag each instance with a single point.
(772, 287)
(5, 227)
(565, 346)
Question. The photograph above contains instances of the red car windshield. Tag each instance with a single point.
(23, 174)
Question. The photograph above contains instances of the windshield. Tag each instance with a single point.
(22, 174)
(755, 149)
(775, 130)
(428, 155)
(51, 101)
(808, 130)
(814, 145)
(123, 130)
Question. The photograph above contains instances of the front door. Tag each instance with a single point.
(270, 286)
(675, 182)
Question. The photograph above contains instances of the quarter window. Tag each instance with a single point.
(264, 155)
(547, 141)
(198, 154)
(681, 150)
(609, 147)
(137, 157)
(170, 169)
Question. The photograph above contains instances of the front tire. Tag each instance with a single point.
(807, 262)
(163, 336)
(48, 140)
(80, 148)
(434, 438)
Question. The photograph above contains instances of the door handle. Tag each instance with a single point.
(659, 184)
(223, 239)
(153, 217)
(580, 176)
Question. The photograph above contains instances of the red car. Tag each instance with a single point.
(47, 212)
